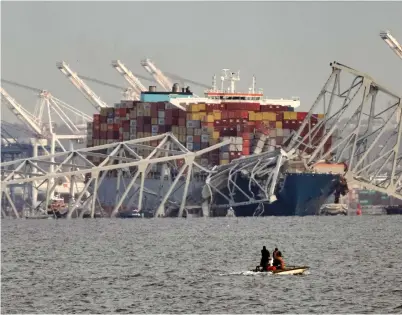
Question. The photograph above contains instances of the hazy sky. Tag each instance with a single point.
(287, 45)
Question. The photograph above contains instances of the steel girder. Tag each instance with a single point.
(364, 120)
(123, 159)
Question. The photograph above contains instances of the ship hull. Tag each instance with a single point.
(302, 194)
(393, 210)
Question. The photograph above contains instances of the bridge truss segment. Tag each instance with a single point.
(362, 118)
(129, 162)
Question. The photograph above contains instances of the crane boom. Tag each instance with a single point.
(129, 76)
(21, 113)
(159, 77)
(392, 43)
(128, 93)
(80, 85)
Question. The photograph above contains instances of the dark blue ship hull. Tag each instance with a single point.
(299, 194)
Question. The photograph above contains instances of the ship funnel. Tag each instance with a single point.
(152, 88)
(176, 88)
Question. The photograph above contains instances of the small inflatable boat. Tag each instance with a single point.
(290, 270)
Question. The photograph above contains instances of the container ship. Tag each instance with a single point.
(200, 122)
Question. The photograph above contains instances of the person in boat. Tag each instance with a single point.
(274, 253)
(279, 263)
(264, 258)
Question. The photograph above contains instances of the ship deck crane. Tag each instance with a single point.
(157, 74)
(129, 76)
(392, 43)
(81, 86)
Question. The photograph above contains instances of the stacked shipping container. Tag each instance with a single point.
(245, 124)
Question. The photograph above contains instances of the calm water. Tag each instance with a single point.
(195, 265)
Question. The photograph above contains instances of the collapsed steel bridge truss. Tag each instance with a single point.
(364, 120)
(117, 159)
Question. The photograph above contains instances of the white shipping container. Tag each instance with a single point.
(133, 123)
(133, 136)
(239, 140)
(161, 121)
(161, 114)
(286, 132)
(232, 147)
(204, 138)
(239, 147)
(257, 150)
(279, 132)
(189, 146)
(260, 144)
(272, 133)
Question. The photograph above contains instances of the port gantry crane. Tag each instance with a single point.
(43, 130)
(392, 43)
(130, 77)
(157, 74)
(81, 86)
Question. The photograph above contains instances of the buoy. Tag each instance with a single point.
(359, 210)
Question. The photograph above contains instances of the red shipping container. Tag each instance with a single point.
(246, 136)
(110, 134)
(169, 120)
(224, 115)
(182, 114)
(210, 108)
(301, 115)
(246, 143)
(96, 117)
(102, 119)
(197, 139)
(168, 113)
(147, 128)
(217, 123)
(182, 121)
(96, 134)
(154, 110)
(140, 128)
(110, 127)
(245, 151)
(96, 126)
(176, 112)
(161, 106)
(103, 135)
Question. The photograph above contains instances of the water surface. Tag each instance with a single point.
(195, 265)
